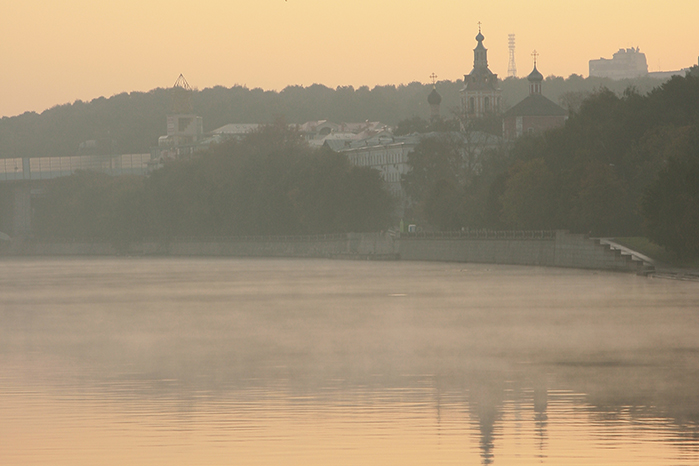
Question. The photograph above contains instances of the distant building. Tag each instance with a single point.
(434, 100)
(389, 155)
(317, 130)
(535, 113)
(665, 75)
(625, 64)
(337, 136)
(235, 130)
(182, 130)
(629, 64)
(185, 130)
(481, 95)
(386, 153)
(185, 137)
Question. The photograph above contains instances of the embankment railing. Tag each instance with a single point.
(464, 234)
(482, 234)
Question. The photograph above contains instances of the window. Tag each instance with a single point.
(183, 123)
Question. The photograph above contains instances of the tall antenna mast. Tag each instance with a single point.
(511, 67)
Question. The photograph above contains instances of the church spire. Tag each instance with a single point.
(434, 99)
(480, 95)
(480, 53)
(535, 78)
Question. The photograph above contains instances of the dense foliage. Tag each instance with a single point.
(671, 203)
(450, 178)
(270, 183)
(591, 175)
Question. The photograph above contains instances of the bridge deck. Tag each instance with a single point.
(46, 168)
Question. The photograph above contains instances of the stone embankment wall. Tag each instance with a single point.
(543, 248)
(284, 246)
(24, 247)
(488, 247)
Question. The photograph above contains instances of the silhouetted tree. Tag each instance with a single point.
(671, 203)
(92, 205)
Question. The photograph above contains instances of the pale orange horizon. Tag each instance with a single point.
(56, 52)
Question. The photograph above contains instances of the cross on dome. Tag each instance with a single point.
(480, 36)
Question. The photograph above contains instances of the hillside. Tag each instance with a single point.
(132, 122)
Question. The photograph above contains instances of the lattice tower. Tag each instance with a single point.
(511, 67)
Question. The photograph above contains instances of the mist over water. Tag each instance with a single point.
(266, 361)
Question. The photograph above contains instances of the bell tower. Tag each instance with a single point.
(535, 78)
(480, 95)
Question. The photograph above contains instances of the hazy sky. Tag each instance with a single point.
(57, 51)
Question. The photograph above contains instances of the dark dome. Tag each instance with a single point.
(434, 98)
(535, 76)
(480, 37)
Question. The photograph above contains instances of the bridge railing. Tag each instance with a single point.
(46, 168)
(232, 239)
(466, 234)
(199, 239)
(11, 169)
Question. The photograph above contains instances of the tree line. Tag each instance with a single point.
(130, 123)
(269, 183)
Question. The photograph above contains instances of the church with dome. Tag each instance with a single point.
(481, 95)
(535, 113)
(434, 99)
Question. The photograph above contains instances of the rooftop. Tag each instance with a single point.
(536, 105)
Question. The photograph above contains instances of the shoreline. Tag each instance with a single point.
(537, 248)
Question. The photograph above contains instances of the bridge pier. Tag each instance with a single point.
(22, 210)
(16, 208)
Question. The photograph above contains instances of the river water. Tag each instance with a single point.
(142, 361)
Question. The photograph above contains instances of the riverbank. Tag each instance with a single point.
(666, 264)
(538, 248)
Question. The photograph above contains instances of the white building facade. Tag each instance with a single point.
(389, 156)
(625, 64)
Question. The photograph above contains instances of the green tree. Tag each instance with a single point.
(444, 207)
(270, 183)
(434, 161)
(600, 204)
(670, 205)
(93, 205)
(601, 161)
(530, 199)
